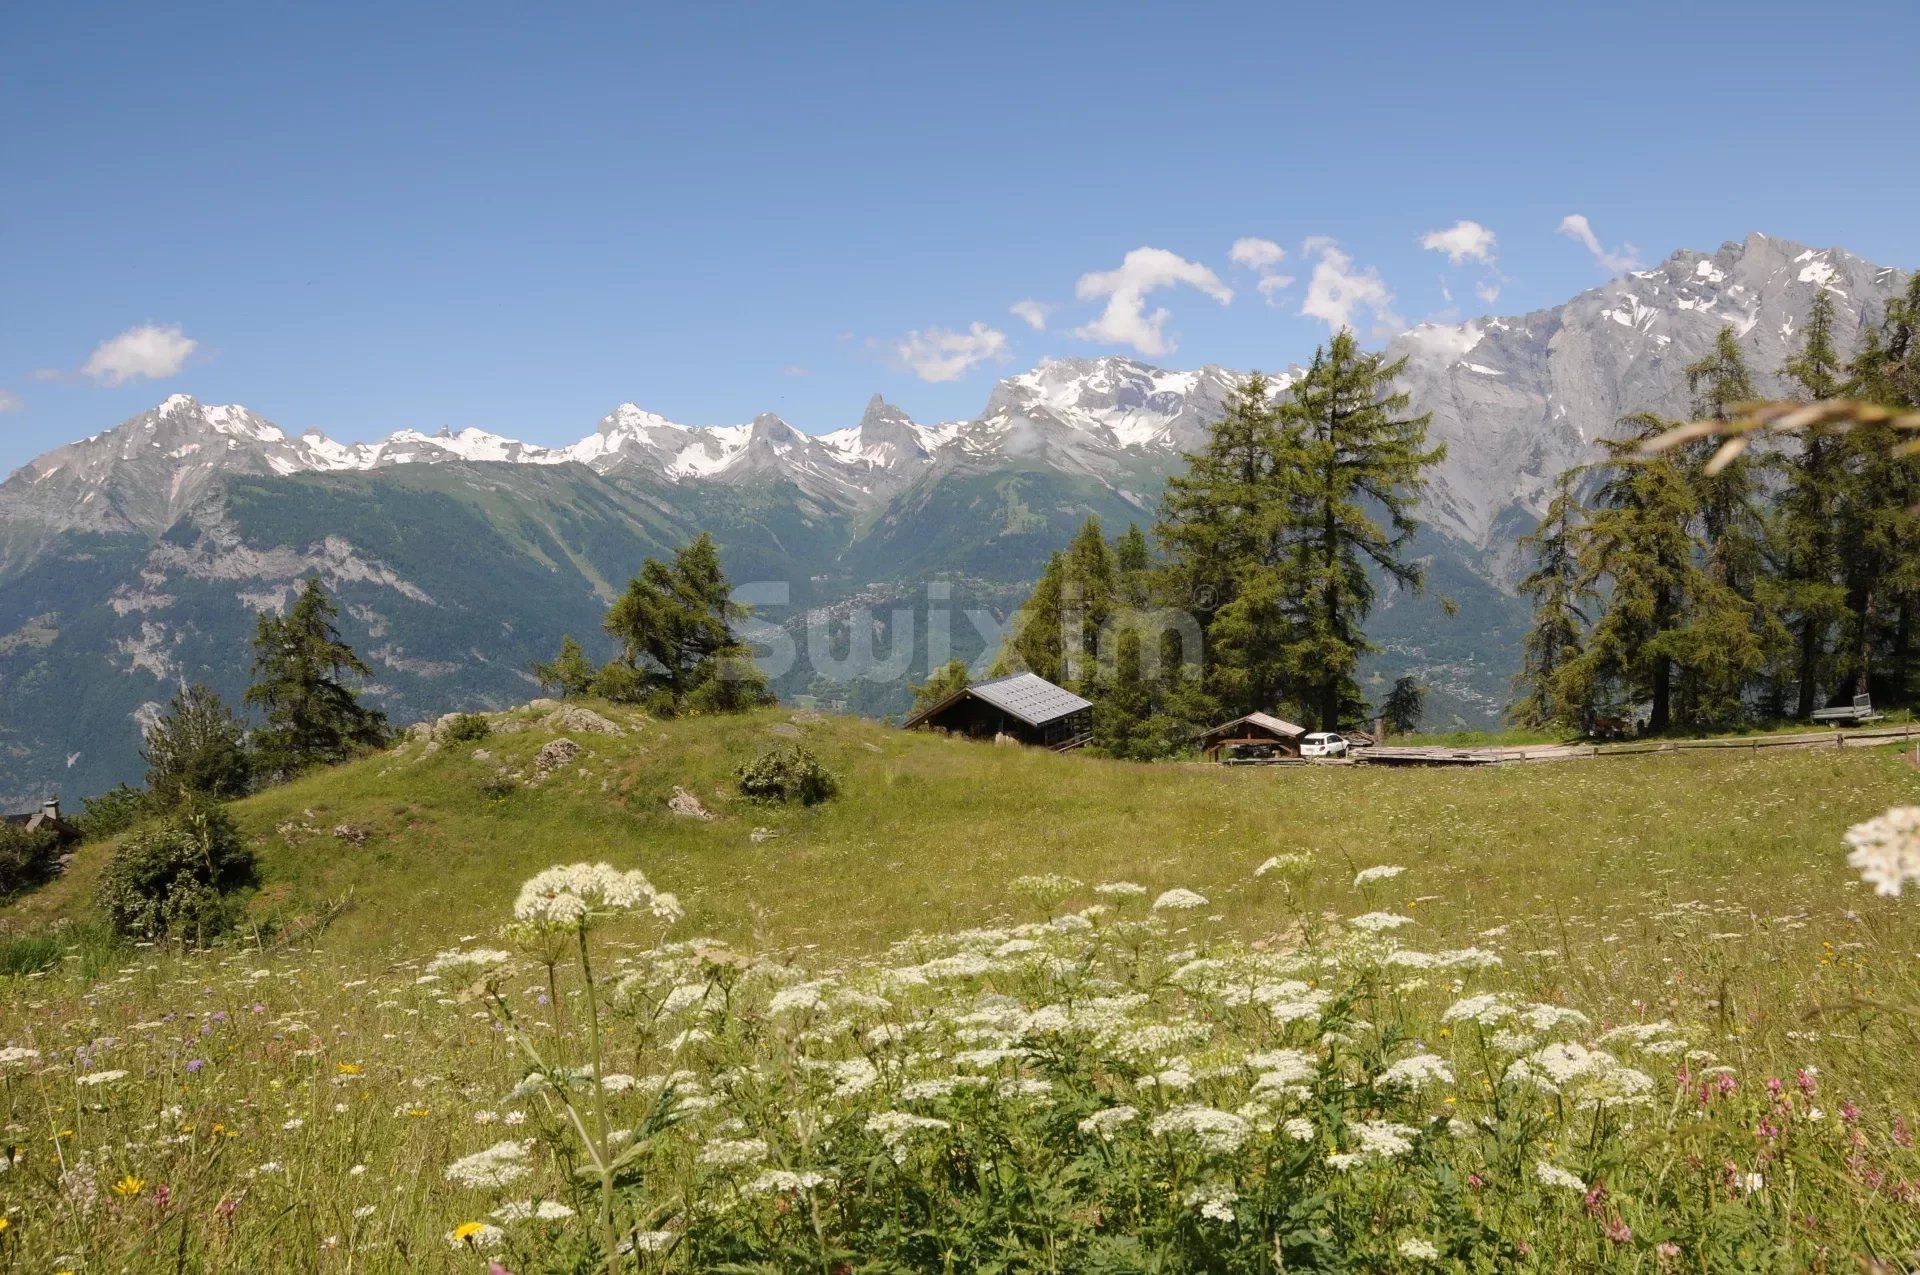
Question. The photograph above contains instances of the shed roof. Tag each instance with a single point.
(1265, 721)
(1026, 696)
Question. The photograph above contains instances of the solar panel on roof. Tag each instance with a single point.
(1032, 699)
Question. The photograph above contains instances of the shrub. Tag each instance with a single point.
(787, 773)
(27, 859)
(175, 880)
(466, 728)
(113, 812)
(198, 748)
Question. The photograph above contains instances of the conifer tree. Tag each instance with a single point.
(675, 623)
(1720, 382)
(1359, 453)
(1088, 600)
(197, 748)
(569, 672)
(1561, 596)
(302, 682)
(1133, 569)
(1637, 542)
(1813, 595)
(1035, 639)
(1406, 705)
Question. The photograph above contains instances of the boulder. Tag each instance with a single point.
(761, 834)
(554, 756)
(581, 720)
(685, 803)
(785, 730)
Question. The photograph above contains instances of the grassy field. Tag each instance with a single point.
(1708, 893)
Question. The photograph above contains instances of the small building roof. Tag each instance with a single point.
(1263, 721)
(1026, 696)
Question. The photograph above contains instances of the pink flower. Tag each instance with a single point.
(1619, 1232)
(1849, 1113)
(1809, 1085)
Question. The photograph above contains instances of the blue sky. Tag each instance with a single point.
(369, 217)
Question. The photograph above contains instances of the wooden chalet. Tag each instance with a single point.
(1255, 737)
(46, 819)
(1023, 708)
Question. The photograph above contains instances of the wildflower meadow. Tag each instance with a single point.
(1283, 1058)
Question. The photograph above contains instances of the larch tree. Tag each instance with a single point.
(197, 748)
(1561, 597)
(678, 646)
(1363, 463)
(1806, 551)
(303, 681)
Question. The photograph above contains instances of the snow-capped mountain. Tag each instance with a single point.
(1516, 399)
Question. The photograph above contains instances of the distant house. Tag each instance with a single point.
(47, 819)
(1023, 707)
(1255, 737)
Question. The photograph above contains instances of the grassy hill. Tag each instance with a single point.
(928, 831)
(1627, 1014)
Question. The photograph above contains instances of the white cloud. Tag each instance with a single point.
(1487, 292)
(1272, 283)
(146, 351)
(794, 369)
(10, 402)
(940, 355)
(1033, 313)
(1462, 241)
(1337, 293)
(1577, 228)
(1257, 254)
(1125, 321)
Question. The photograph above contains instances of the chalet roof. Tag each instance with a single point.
(1032, 699)
(1264, 721)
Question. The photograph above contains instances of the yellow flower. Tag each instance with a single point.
(349, 1069)
(129, 1185)
(467, 1230)
(418, 1113)
(4, 1223)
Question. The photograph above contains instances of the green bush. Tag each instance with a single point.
(787, 773)
(27, 859)
(467, 727)
(113, 812)
(176, 879)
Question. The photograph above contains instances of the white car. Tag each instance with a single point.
(1323, 744)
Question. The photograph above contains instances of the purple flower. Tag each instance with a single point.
(196, 1064)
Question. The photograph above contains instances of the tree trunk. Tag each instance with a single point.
(1809, 661)
(1662, 714)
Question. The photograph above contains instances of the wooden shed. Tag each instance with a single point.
(1022, 707)
(1255, 737)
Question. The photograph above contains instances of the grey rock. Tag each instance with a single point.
(554, 755)
(759, 835)
(687, 805)
(584, 720)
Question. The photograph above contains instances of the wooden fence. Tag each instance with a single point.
(1865, 737)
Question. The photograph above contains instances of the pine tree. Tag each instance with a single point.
(1719, 383)
(1359, 453)
(1813, 595)
(569, 672)
(1406, 705)
(675, 623)
(1089, 600)
(1035, 641)
(1124, 705)
(301, 674)
(197, 748)
(1133, 569)
(1637, 542)
(1560, 597)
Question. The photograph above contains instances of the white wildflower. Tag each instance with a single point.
(1886, 850)
(1214, 1200)
(573, 894)
(898, 1128)
(499, 1164)
(784, 1182)
(100, 1077)
(476, 959)
(1380, 872)
(1103, 1124)
(1221, 1132)
(1379, 922)
(1300, 1129)
(475, 1235)
(732, 1153)
(17, 1056)
(1374, 1140)
(1417, 1072)
(1179, 899)
(1555, 1176)
(1418, 1250)
(1120, 889)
